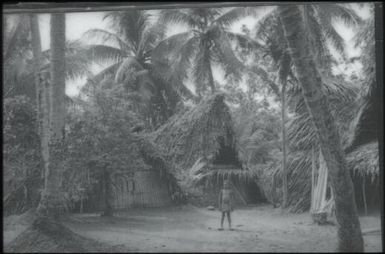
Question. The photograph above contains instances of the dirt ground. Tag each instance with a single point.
(191, 229)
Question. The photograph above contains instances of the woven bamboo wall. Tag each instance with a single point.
(143, 189)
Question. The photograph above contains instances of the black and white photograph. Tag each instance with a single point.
(192, 127)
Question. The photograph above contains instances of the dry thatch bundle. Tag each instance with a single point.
(364, 161)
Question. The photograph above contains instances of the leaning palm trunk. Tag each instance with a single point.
(50, 203)
(349, 230)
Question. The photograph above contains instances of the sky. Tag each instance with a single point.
(78, 23)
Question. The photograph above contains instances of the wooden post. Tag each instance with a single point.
(312, 178)
(364, 196)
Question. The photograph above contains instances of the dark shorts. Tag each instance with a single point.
(226, 207)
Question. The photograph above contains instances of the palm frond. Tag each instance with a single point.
(243, 40)
(265, 77)
(169, 44)
(339, 11)
(106, 36)
(15, 40)
(182, 62)
(127, 70)
(226, 57)
(177, 17)
(236, 14)
(96, 79)
(130, 24)
(262, 29)
(150, 38)
(103, 53)
(201, 70)
(330, 32)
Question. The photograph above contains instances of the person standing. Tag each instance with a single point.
(225, 203)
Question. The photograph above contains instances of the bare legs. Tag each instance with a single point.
(228, 219)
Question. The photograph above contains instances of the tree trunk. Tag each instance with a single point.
(284, 167)
(36, 51)
(349, 230)
(50, 203)
(107, 193)
(284, 68)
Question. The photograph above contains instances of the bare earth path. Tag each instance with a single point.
(191, 229)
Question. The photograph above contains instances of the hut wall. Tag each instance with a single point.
(205, 196)
(144, 189)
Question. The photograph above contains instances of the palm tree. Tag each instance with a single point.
(295, 30)
(270, 40)
(36, 50)
(205, 43)
(20, 63)
(129, 51)
(50, 203)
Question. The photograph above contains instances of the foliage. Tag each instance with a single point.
(18, 64)
(21, 155)
(104, 135)
(206, 42)
(128, 49)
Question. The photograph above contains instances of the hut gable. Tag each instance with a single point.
(201, 145)
(199, 132)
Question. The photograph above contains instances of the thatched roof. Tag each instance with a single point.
(194, 133)
(197, 134)
(364, 161)
(364, 126)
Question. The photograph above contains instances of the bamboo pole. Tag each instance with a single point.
(312, 179)
(364, 196)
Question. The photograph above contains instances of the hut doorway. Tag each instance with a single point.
(226, 160)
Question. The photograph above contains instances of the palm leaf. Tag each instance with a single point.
(131, 24)
(177, 17)
(106, 36)
(128, 70)
(226, 57)
(172, 43)
(103, 53)
(236, 14)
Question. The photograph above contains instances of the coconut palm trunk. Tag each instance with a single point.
(50, 203)
(39, 87)
(284, 166)
(349, 230)
(36, 51)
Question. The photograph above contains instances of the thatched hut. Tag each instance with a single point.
(357, 123)
(363, 151)
(201, 144)
(146, 182)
